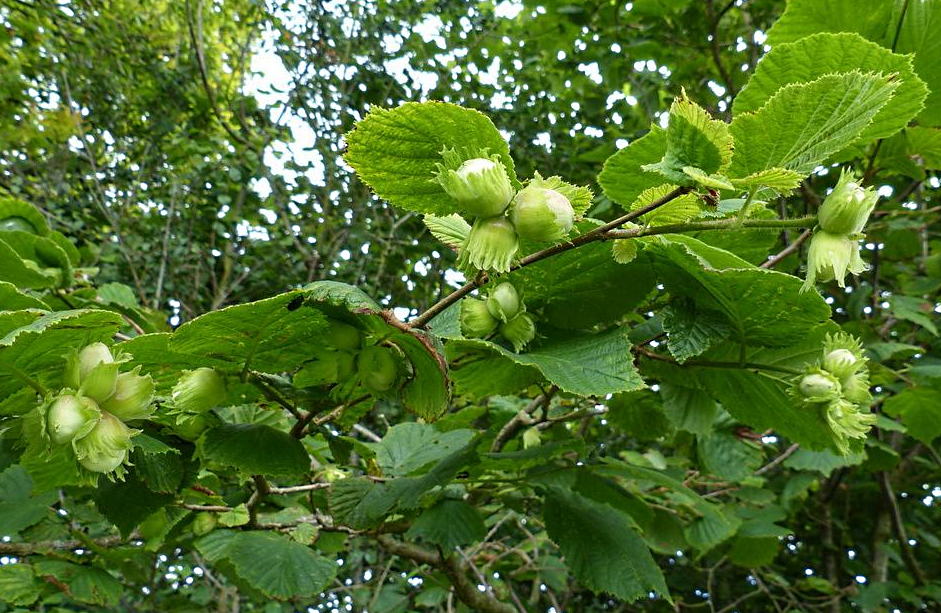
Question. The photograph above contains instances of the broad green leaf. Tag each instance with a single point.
(601, 547)
(688, 408)
(540, 455)
(255, 449)
(583, 287)
(639, 414)
(158, 465)
(36, 351)
(727, 456)
(18, 585)
(624, 250)
(920, 411)
(12, 299)
(623, 179)
(238, 516)
(152, 352)
(478, 372)
(694, 139)
(756, 397)
(119, 294)
(869, 18)
(710, 530)
(803, 124)
(290, 570)
(637, 475)
(394, 151)
(155, 529)
(714, 181)
(360, 502)
(427, 392)
(665, 533)
(11, 320)
(273, 564)
(586, 364)
(780, 179)
(12, 207)
(449, 524)
(18, 509)
(408, 447)
(911, 152)
(24, 273)
(85, 584)
(41, 250)
(341, 297)
(451, 230)
(691, 331)
(823, 461)
(129, 502)
(763, 307)
(678, 210)
(753, 551)
(826, 53)
(915, 310)
(919, 34)
(268, 335)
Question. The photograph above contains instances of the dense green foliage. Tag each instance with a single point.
(437, 306)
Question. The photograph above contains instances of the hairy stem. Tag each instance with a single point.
(714, 224)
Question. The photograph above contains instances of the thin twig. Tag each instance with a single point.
(899, 527)
(521, 419)
(774, 261)
(298, 488)
(784, 455)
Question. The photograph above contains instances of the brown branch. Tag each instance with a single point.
(521, 419)
(774, 261)
(783, 456)
(209, 508)
(453, 568)
(899, 527)
(293, 489)
(40, 547)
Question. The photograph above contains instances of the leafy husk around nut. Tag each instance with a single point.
(476, 319)
(105, 448)
(504, 302)
(847, 422)
(79, 364)
(818, 386)
(69, 416)
(847, 208)
(541, 214)
(491, 245)
(830, 257)
(132, 398)
(199, 390)
(480, 185)
(519, 331)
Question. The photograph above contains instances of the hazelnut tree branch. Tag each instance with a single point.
(599, 233)
(729, 223)
(610, 231)
(453, 568)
